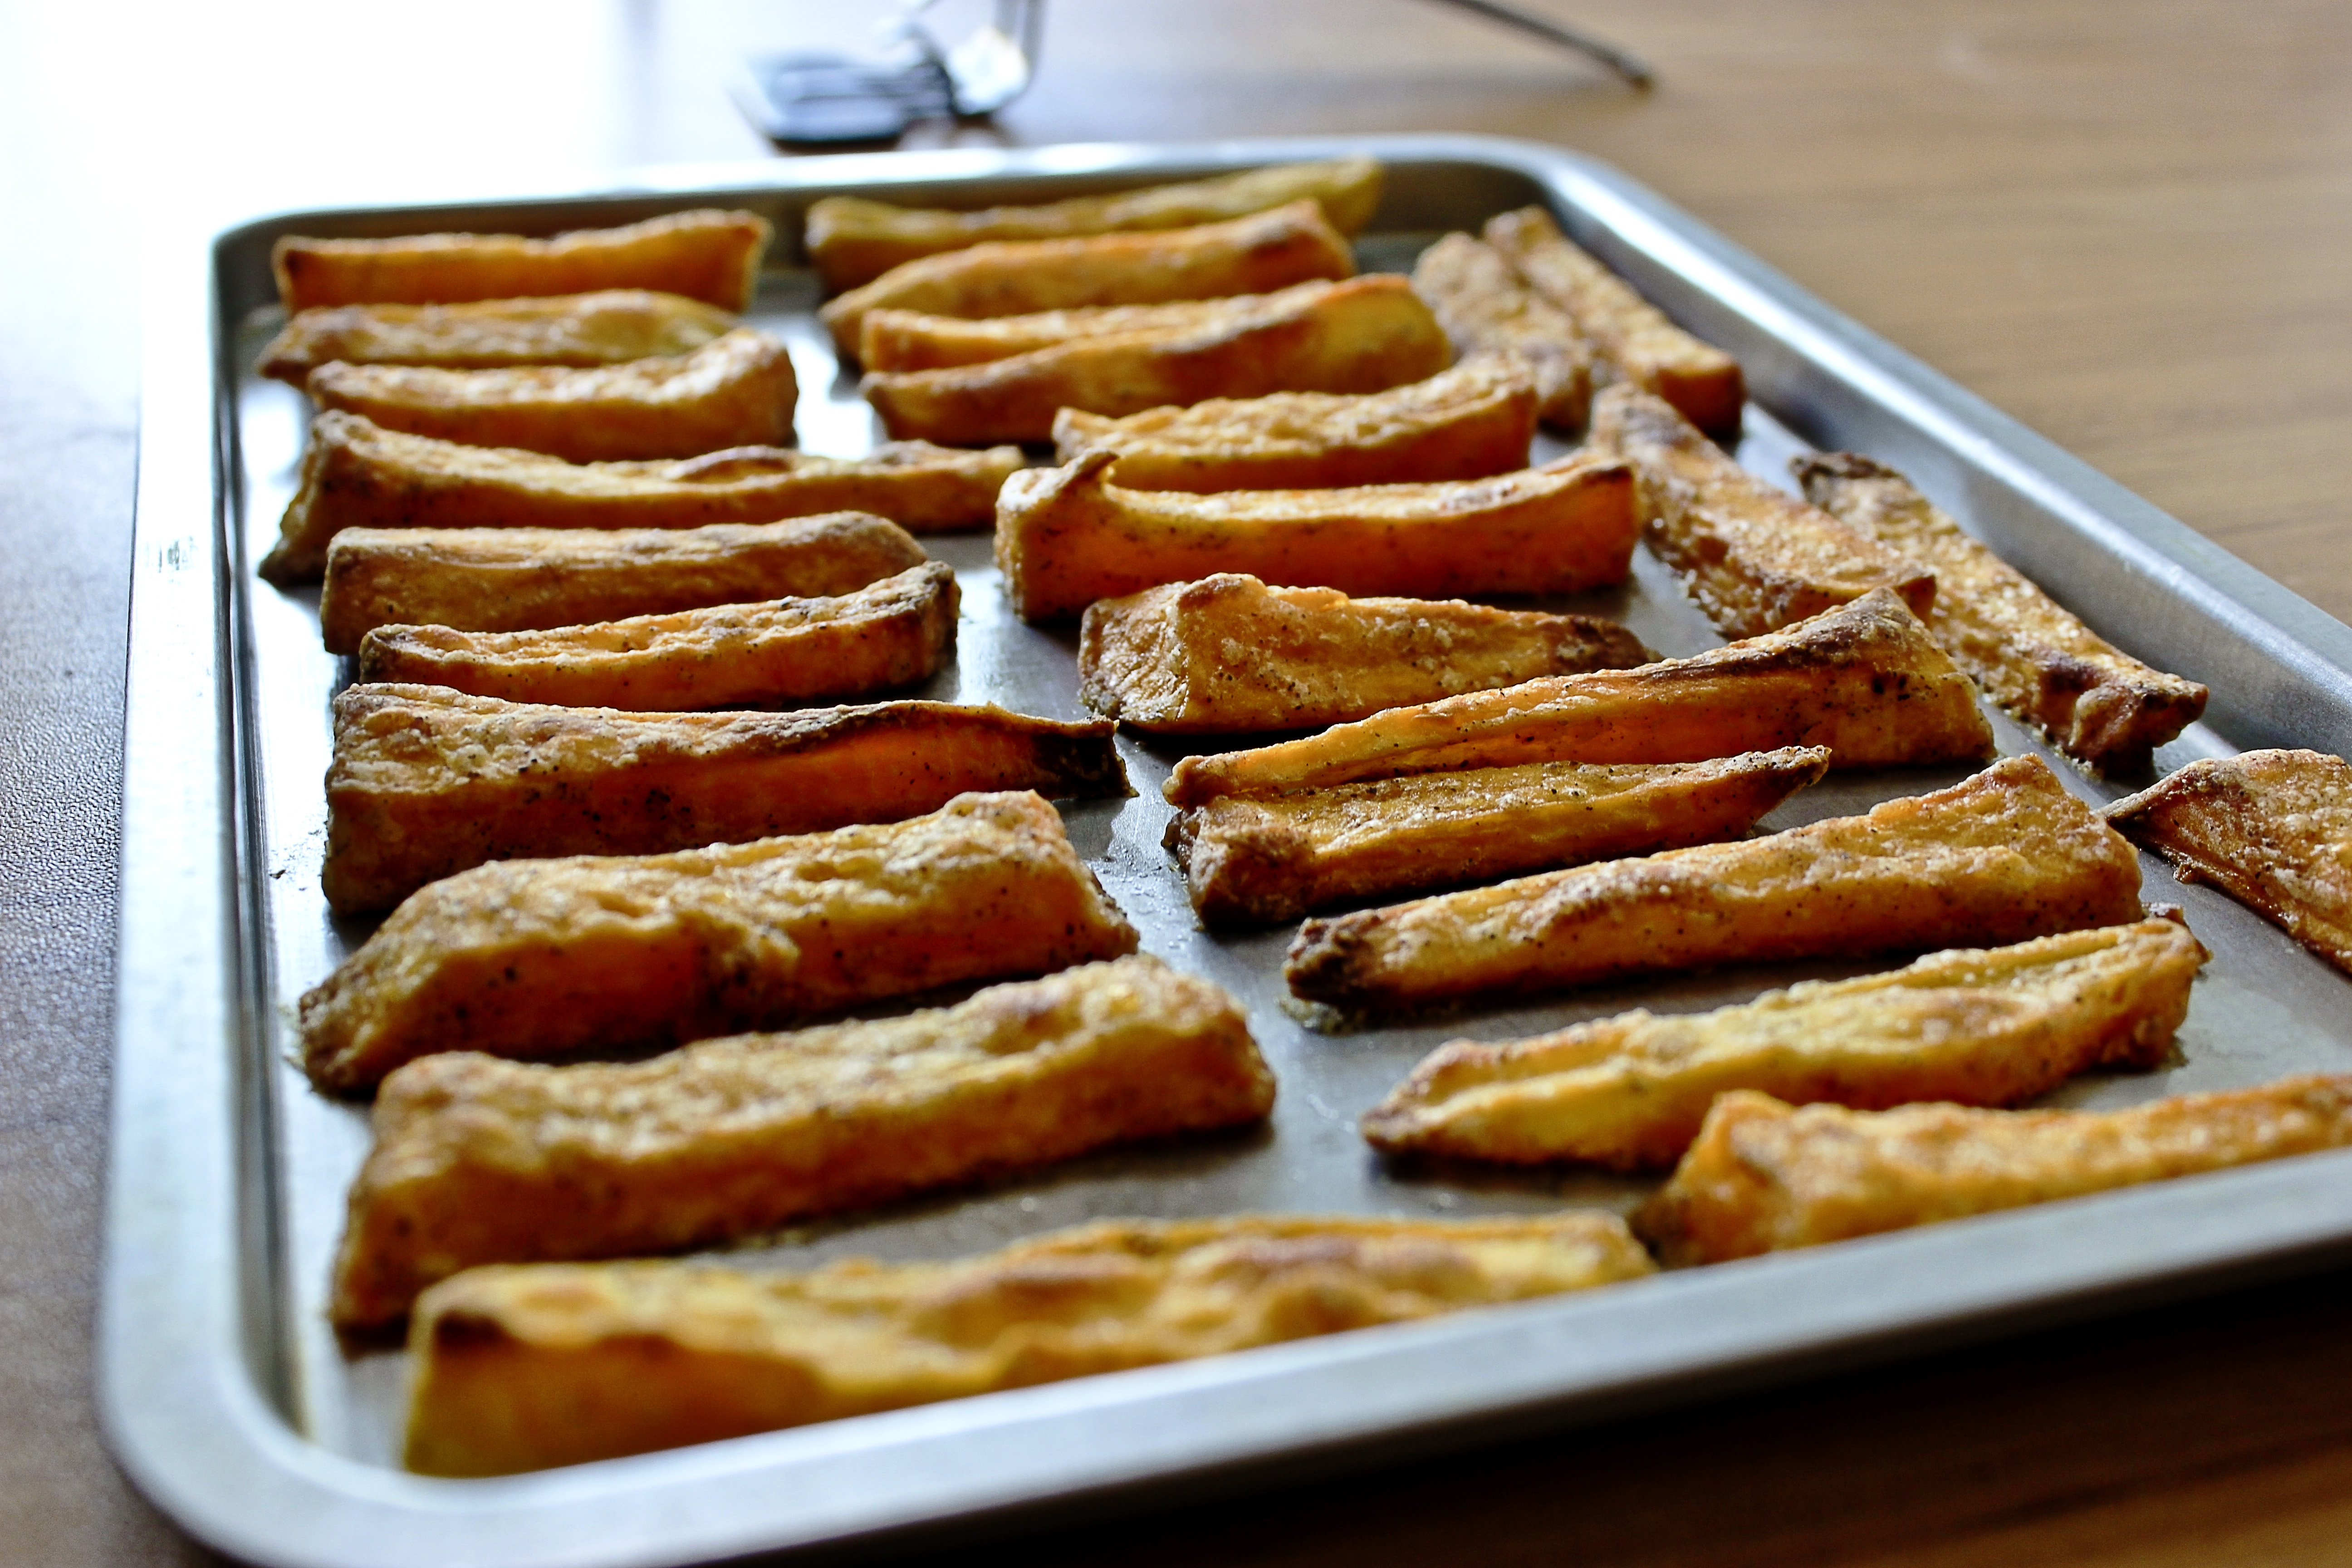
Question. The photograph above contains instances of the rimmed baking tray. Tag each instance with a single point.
(231, 1405)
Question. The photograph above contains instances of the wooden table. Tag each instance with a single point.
(2127, 223)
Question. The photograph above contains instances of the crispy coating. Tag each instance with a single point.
(853, 240)
(1267, 859)
(1973, 1025)
(707, 255)
(2100, 705)
(483, 1161)
(1365, 334)
(1483, 304)
(525, 579)
(1754, 558)
(2272, 830)
(1764, 1177)
(541, 958)
(1064, 538)
(1254, 253)
(1465, 423)
(607, 328)
(910, 340)
(777, 653)
(358, 475)
(1634, 340)
(426, 781)
(1999, 857)
(735, 391)
(524, 1367)
(1228, 654)
(1864, 681)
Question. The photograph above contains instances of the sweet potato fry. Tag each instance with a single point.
(1972, 1025)
(1864, 681)
(612, 327)
(1633, 337)
(1227, 654)
(482, 1161)
(426, 781)
(735, 391)
(1483, 305)
(1365, 334)
(1064, 538)
(527, 1367)
(705, 255)
(1764, 1176)
(542, 958)
(1999, 857)
(853, 240)
(1268, 858)
(356, 475)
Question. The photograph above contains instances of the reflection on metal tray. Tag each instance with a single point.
(229, 1397)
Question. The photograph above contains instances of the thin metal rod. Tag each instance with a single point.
(1626, 64)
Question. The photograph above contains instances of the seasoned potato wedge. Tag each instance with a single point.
(1254, 253)
(542, 958)
(522, 1367)
(1972, 1025)
(735, 391)
(1999, 857)
(2272, 830)
(1633, 337)
(1228, 654)
(1754, 558)
(608, 328)
(853, 240)
(1763, 1176)
(910, 340)
(357, 475)
(526, 579)
(1483, 304)
(1864, 681)
(1365, 334)
(781, 652)
(1064, 538)
(1267, 859)
(2098, 705)
(1465, 423)
(426, 781)
(482, 1161)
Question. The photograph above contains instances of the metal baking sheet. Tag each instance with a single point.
(231, 1402)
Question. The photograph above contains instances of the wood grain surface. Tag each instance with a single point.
(2127, 223)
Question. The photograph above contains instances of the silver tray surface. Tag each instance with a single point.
(228, 1398)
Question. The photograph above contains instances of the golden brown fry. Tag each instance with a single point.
(527, 1366)
(1999, 857)
(542, 958)
(1251, 255)
(778, 652)
(1228, 654)
(1465, 423)
(1764, 1177)
(1064, 538)
(526, 579)
(910, 340)
(2272, 830)
(1483, 305)
(482, 1161)
(1632, 336)
(705, 255)
(735, 391)
(853, 240)
(2098, 705)
(426, 781)
(1267, 859)
(1864, 681)
(610, 327)
(355, 475)
(1980, 1027)
(1365, 334)
(1753, 557)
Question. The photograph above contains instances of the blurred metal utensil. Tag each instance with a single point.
(1634, 69)
(805, 99)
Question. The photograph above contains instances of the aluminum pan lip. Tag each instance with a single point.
(182, 1363)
